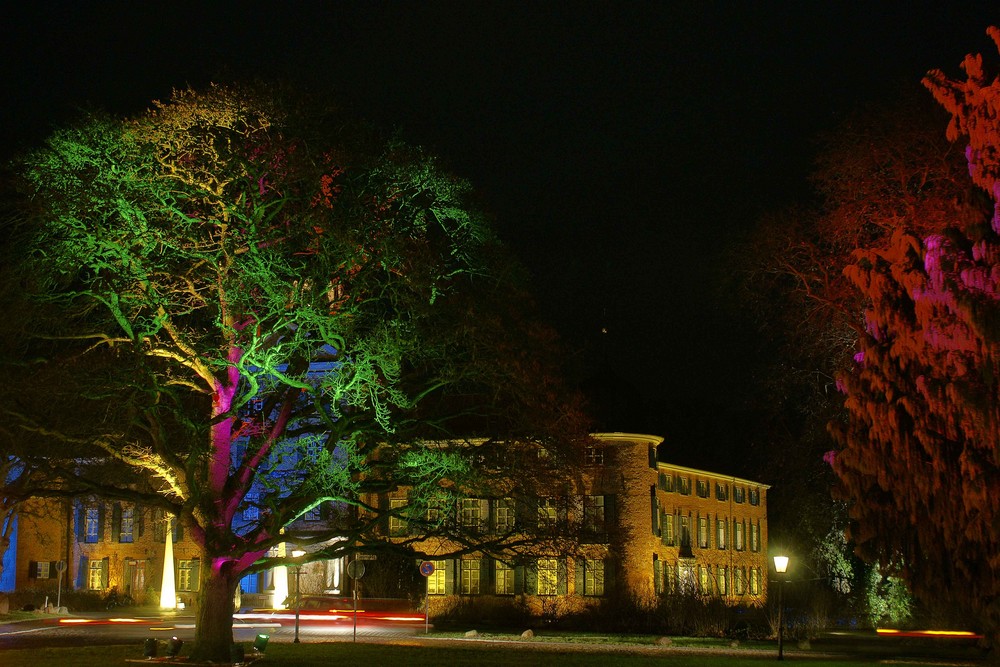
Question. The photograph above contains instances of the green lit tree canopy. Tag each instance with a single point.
(287, 304)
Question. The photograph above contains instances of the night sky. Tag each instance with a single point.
(619, 146)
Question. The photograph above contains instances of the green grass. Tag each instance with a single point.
(467, 655)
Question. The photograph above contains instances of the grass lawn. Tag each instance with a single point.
(471, 654)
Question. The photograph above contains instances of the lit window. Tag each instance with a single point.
(703, 532)
(397, 524)
(739, 494)
(685, 531)
(471, 514)
(754, 581)
(593, 577)
(128, 525)
(755, 496)
(738, 535)
(684, 485)
(548, 576)
(754, 537)
(504, 576)
(723, 581)
(436, 581)
(187, 575)
(92, 524)
(702, 488)
(42, 569)
(470, 576)
(704, 580)
(720, 532)
(668, 530)
(721, 491)
(96, 578)
(504, 515)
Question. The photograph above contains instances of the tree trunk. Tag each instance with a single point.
(213, 638)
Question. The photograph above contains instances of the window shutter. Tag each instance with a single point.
(100, 522)
(561, 576)
(80, 522)
(654, 506)
(449, 576)
(519, 580)
(32, 569)
(53, 574)
(485, 575)
(178, 529)
(195, 574)
(81, 573)
(609, 575)
(116, 522)
(138, 516)
(610, 511)
(104, 572)
(531, 578)
(652, 457)
(657, 576)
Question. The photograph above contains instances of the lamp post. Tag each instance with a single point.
(780, 567)
(297, 553)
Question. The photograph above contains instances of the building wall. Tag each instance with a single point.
(638, 552)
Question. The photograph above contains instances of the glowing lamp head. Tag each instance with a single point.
(298, 553)
(780, 564)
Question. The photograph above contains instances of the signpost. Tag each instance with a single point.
(60, 568)
(355, 570)
(427, 569)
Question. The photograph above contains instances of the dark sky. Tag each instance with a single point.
(620, 145)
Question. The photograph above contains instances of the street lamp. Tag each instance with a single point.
(780, 567)
(297, 553)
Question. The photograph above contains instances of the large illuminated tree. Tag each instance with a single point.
(920, 449)
(292, 307)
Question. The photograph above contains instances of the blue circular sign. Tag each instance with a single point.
(427, 568)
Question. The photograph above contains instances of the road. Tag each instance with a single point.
(119, 627)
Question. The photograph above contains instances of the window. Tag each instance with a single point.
(738, 536)
(720, 532)
(739, 494)
(703, 532)
(754, 581)
(125, 532)
(547, 513)
(701, 487)
(594, 454)
(665, 482)
(96, 575)
(669, 579)
(92, 524)
(42, 569)
(593, 514)
(685, 531)
(739, 580)
(471, 514)
(187, 575)
(755, 496)
(436, 581)
(668, 529)
(504, 577)
(593, 577)
(721, 491)
(470, 576)
(548, 576)
(722, 579)
(684, 485)
(754, 537)
(704, 580)
(504, 515)
(397, 524)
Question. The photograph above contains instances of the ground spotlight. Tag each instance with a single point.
(174, 647)
(149, 648)
(260, 643)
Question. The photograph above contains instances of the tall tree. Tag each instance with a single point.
(291, 306)
(919, 454)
